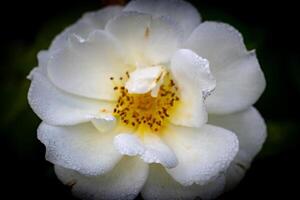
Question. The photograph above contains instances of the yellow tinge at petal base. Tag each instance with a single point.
(147, 86)
(144, 110)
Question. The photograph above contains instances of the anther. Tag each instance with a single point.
(172, 83)
(145, 109)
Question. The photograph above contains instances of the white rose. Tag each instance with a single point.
(148, 99)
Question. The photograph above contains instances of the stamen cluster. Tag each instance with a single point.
(143, 109)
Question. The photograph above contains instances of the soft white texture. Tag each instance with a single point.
(202, 153)
(84, 26)
(104, 122)
(43, 58)
(150, 148)
(193, 78)
(98, 157)
(147, 40)
(82, 148)
(240, 81)
(84, 68)
(124, 182)
(57, 107)
(250, 129)
(143, 80)
(194, 71)
(160, 185)
(181, 12)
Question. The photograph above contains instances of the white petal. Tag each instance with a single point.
(202, 153)
(84, 26)
(144, 80)
(85, 68)
(234, 175)
(57, 107)
(160, 185)
(250, 129)
(82, 148)
(129, 144)
(192, 71)
(104, 123)
(150, 148)
(101, 17)
(182, 12)
(194, 80)
(240, 80)
(123, 182)
(147, 41)
(43, 58)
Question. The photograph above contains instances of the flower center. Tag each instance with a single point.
(144, 110)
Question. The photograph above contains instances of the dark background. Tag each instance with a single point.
(271, 28)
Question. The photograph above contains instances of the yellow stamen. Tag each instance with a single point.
(144, 111)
